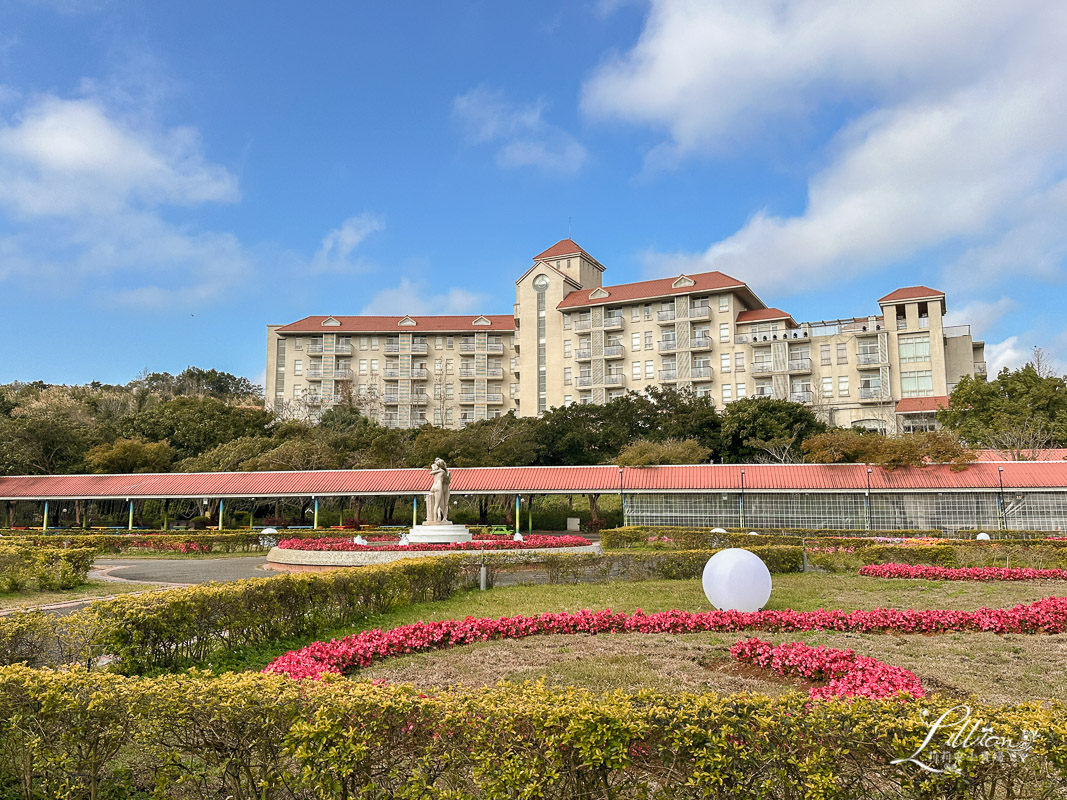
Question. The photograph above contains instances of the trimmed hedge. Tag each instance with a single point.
(43, 568)
(79, 734)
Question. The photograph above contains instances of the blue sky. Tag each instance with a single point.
(175, 176)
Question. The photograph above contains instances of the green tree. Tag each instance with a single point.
(194, 425)
(645, 453)
(764, 429)
(229, 456)
(124, 456)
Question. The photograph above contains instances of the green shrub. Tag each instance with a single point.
(78, 734)
(25, 567)
(199, 523)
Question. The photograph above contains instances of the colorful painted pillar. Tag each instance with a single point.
(129, 518)
(44, 522)
(221, 509)
(316, 512)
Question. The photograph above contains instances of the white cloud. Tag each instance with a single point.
(416, 298)
(959, 138)
(338, 244)
(1007, 353)
(981, 315)
(86, 190)
(520, 132)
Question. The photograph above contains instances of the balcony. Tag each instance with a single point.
(494, 347)
(391, 374)
(700, 312)
(668, 345)
(494, 399)
(419, 374)
(614, 351)
(391, 347)
(420, 347)
(700, 343)
(583, 381)
(979, 368)
(466, 346)
(666, 317)
(761, 367)
(343, 349)
(466, 397)
(393, 422)
(314, 375)
(872, 393)
(420, 399)
(583, 324)
(614, 379)
(701, 373)
(668, 374)
(800, 397)
(612, 323)
(315, 348)
(465, 419)
(313, 399)
(584, 354)
(342, 374)
(952, 331)
(869, 358)
(390, 399)
(763, 392)
(799, 365)
(467, 372)
(494, 372)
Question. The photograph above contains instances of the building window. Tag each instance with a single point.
(635, 313)
(724, 362)
(363, 366)
(450, 366)
(298, 344)
(648, 340)
(727, 393)
(362, 342)
(742, 390)
(374, 366)
(650, 370)
(450, 390)
(374, 343)
(724, 302)
(298, 367)
(917, 384)
(724, 331)
(635, 341)
(448, 416)
(566, 348)
(648, 311)
(540, 285)
(827, 387)
(636, 370)
(450, 342)
(842, 385)
(739, 362)
(566, 376)
(566, 322)
(824, 354)
(842, 353)
(438, 391)
(568, 399)
(514, 390)
(438, 365)
(914, 348)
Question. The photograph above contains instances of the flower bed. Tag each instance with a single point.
(848, 675)
(486, 543)
(962, 573)
(361, 649)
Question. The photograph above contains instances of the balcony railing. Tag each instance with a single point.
(667, 316)
(583, 324)
(701, 373)
(668, 345)
(583, 380)
(314, 374)
(979, 368)
(420, 399)
(952, 331)
(419, 374)
(800, 397)
(700, 343)
(612, 323)
(494, 347)
(390, 399)
(467, 372)
(614, 351)
(466, 397)
(313, 399)
(872, 393)
(466, 347)
(761, 392)
(614, 379)
(342, 349)
(700, 312)
(869, 358)
(391, 374)
(761, 367)
(668, 374)
(342, 374)
(494, 399)
(584, 354)
(494, 372)
(315, 348)
(800, 365)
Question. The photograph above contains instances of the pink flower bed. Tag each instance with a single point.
(962, 573)
(180, 547)
(849, 675)
(348, 545)
(361, 649)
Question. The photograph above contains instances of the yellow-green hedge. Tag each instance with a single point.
(43, 568)
(76, 734)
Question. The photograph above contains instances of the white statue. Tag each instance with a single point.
(437, 499)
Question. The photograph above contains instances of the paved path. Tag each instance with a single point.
(180, 571)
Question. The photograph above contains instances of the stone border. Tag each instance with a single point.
(313, 560)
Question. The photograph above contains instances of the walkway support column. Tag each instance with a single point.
(221, 509)
(414, 510)
(529, 516)
(316, 522)
(129, 519)
(518, 514)
(44, 520)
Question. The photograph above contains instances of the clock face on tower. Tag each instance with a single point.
(540, 283)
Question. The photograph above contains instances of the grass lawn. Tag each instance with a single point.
(12, 601)
(803, 592)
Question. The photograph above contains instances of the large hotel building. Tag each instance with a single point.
(573, 340)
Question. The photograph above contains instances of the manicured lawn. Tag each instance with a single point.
(805, 592)
(11, 601)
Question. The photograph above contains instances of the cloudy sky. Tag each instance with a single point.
(175, 176)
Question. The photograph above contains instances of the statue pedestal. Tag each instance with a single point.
(439, 533)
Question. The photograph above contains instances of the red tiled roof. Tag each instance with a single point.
(499, 322)
(1053, 454)
(911, 405)
(564, 247)
(539, 480)
(761, 314)
(645, 290)
(911, 293)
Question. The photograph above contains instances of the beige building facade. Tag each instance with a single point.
(572, 339)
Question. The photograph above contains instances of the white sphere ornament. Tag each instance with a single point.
(736, 580)
(269, 531)
(753, 533)
(982, 537)
(718, 530)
